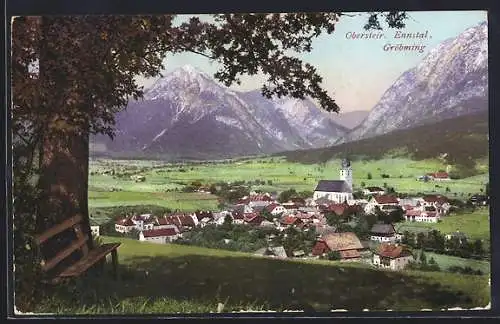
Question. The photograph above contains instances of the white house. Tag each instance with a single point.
(162, 236)
(440, 202)
(95, 230)
(392, 256)
(383, 233)
(124, 225)
(275, 209)
(381, 201)
(338, 191)
(373, 191)
(425, 214)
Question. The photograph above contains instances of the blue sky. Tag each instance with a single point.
(356, 72)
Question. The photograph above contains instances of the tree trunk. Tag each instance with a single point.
(63, 181)
(64, 148)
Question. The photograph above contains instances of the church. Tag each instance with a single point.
(337, 191)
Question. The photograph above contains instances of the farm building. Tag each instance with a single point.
(383, 233)
(273, 252)
(275, 209)
(425, 214)
(337, 191)
(124, 225)
(392, 256)
(380, 201)
(162, 236)
(347, 244)
(439, 176)
(373, 191)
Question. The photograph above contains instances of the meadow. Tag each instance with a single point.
(171, 278)
(277, 173)
(475, 225)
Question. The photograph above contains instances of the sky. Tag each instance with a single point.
(357, 72)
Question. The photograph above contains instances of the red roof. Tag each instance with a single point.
(271, 207)
(290, 220)
(349, 254)
(413, 212)
(338, 209)
(237, 215)
(392, 251)
(440, 175)
(435, 198)
(125, 222)
(319, 248)
(204, 214)
(386, 199)
(159, 232)
(253, 218)
(430, 214)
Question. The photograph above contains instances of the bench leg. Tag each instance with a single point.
(114, 256)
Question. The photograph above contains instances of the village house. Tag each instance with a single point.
(392, 256)
(162, 236)
(439, 176)
(275, 209)
(338, 191)
(425, 214)
(204, 218)
(380, 201)
(256, 200)
(308, 210)
(440, 202)
(383, 233)
(373, 191)
(305, 217)
(242, 209)
(290, 221)
(124, 225)
(238, 218)
(220, 217)
(290, 207)
(347, 244)
(253, 218)
(273, 252)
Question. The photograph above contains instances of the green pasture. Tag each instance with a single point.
(173, 200)
(475, 225)
(180, 279)
(446, 261)
(284, 175)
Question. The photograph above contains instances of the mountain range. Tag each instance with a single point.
(451, 81)
(187, 114)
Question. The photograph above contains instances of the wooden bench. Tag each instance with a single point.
(82, 256)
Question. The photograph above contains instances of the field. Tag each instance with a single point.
(446, 261)
(476, 225)
(277, 173)
(173, 278)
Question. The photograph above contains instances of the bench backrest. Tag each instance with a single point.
(80, 242)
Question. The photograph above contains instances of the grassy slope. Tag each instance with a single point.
(476, 225)
(172, 278)
(463, 138)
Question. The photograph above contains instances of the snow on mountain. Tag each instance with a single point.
(187, 113)
(451, 80)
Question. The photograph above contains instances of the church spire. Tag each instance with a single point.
(346, 172)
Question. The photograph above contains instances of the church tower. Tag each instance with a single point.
(346, 172)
